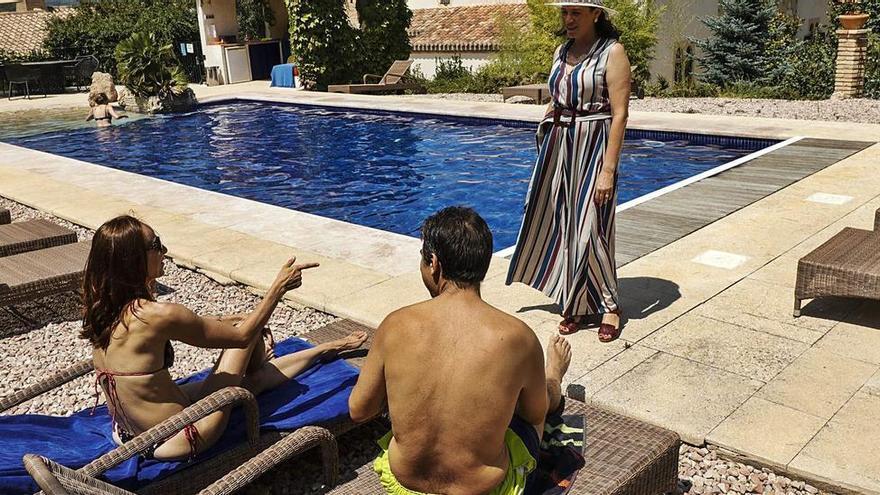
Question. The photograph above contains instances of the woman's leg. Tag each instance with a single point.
(278, 370)
(229, 371)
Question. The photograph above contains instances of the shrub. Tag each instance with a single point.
(526, 56)
(383, 36)
(253, 16)
(872, 68)
(638, 21)
(810, 70)
(322, 41)
(97, 26)
(149, 68)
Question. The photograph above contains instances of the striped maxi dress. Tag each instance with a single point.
(565, 246)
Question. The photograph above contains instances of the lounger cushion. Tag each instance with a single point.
(318, 396)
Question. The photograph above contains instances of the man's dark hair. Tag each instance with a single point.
(462, 242)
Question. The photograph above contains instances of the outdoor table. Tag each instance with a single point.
(51, 73)
(283, 76)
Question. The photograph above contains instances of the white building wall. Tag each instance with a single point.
(426, 62)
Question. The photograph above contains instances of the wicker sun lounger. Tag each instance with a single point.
(395, 80)
(30, 235)
(234, 468)
(847, 265)
(5, 217)
(35, 274)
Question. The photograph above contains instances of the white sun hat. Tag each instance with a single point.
(599, 4)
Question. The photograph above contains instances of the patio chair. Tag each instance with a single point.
(50, 475)
(395, 80)
(5, 217)
(847, 265)
(29, 276)
(18, 74)
(31, 235)
(80, 73)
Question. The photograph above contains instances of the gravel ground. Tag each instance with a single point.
(48, 342)
(852, 110)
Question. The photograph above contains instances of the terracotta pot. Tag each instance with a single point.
(853, 21)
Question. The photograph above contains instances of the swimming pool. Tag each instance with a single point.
(379, 169)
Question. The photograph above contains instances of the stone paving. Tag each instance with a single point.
(711, 352)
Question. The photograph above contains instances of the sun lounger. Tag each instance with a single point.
(317, 395)
(5, 217)
(28, 276)
(847, 265)
(395, 80)
(539, 93)
(30, 235)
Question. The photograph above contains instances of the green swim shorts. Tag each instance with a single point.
(522, 462)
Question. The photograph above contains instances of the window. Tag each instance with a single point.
(683, 68)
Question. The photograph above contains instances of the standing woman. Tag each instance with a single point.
(565, 246)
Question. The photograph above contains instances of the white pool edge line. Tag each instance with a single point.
(690, 180)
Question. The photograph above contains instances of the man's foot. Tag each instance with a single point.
(609, 330)
(558, 358)
(353, 341)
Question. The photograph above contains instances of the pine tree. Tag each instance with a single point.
(737, 51)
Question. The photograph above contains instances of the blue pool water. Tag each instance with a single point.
(381, 170)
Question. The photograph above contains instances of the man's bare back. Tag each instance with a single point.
(462, 365)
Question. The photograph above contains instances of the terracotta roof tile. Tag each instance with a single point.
(23, 32)
(468, 29)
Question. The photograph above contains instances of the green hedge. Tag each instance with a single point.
(97, 26)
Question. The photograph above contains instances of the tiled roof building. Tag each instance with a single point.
(22, 32)
(474, 28)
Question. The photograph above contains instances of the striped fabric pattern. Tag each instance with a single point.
(565, 246)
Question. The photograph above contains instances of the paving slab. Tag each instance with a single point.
(818, 383)
(371, 305)
(686, 396)
(872, 386)
(585, 387)
(846, 452)
(769, 432)
(733, 348)
(858, 336)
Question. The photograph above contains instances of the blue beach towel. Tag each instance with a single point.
(319, 395)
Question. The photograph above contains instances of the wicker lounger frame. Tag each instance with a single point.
(847, 265)
(31, 235)
(29, 276)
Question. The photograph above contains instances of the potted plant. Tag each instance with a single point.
(851, 15)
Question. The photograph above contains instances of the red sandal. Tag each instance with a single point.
(569, 325)
(609, 332)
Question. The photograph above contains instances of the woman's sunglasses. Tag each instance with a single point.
(156, 245)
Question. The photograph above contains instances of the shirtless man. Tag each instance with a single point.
(453, 371)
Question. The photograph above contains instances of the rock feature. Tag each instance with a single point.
(170, 103)
(102, 82)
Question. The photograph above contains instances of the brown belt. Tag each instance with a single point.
(574, 115)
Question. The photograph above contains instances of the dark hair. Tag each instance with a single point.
(115, 277)
(462, 242)
(604, 27)
(101, 99)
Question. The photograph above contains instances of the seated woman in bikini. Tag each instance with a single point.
(131, 335)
